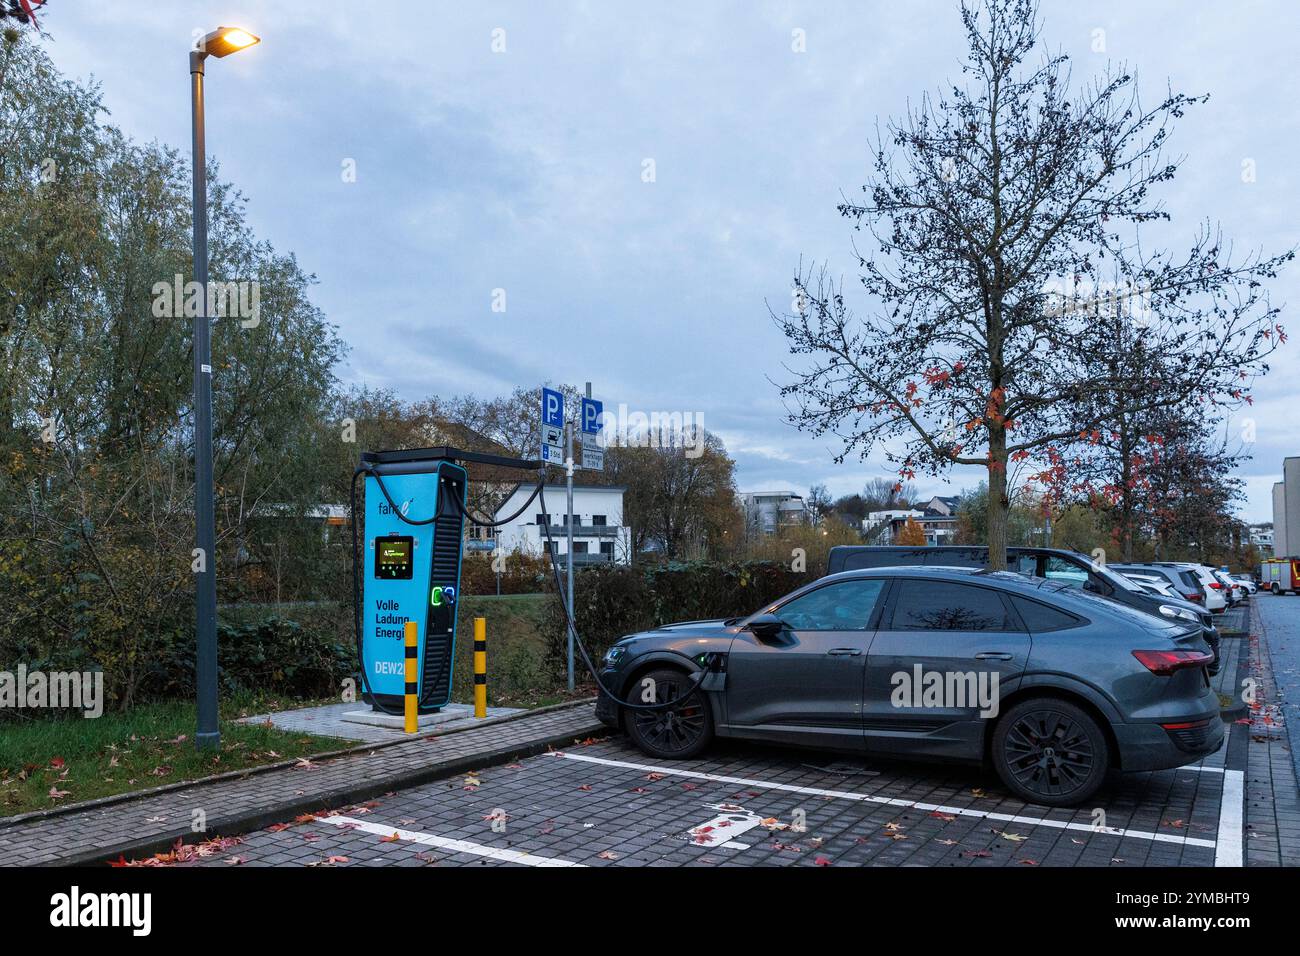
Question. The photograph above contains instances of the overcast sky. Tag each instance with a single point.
(523, 170)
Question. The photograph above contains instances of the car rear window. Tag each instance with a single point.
(1040, 619)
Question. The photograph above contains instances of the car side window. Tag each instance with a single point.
(954, 558)
(1040, 619)
(1024, 564)
(845, 606)
(948, 606)
(1065, 572)
(904, 557)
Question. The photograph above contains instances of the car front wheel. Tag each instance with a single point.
(1050, 752)
(669, 733)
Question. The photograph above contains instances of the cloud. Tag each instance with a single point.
(523, 171)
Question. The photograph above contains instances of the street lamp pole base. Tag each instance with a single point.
(210, 740)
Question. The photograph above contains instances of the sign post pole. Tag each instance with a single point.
(569, 524)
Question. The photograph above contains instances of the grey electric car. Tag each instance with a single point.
(1052, 685)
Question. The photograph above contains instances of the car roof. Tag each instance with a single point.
(1008, 579)
(1055, 593)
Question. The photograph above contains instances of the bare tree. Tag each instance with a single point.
(1005, 219)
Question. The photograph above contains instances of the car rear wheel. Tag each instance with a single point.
(1050, 752)
(670, 733)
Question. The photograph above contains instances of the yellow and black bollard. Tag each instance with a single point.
(480, 667)
(412, 678)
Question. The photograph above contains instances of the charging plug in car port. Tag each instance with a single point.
(715, 663)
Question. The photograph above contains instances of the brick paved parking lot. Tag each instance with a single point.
(603, 803)
(600, 802)
(607, 804)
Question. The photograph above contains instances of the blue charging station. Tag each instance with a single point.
(413, 535)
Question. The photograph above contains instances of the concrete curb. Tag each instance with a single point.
(101, 802)
(1238, 708)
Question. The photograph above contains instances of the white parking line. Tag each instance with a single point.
(442, 843)
(893, 801)
(1227, 852)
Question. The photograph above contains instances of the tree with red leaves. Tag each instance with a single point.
(1006, 281)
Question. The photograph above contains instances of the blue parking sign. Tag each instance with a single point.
(591, 411)
(552, 408)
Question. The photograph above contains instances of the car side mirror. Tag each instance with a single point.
(766, 627)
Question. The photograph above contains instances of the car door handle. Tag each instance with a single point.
(993, 656)
(844, 651)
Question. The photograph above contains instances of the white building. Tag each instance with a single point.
(766, 511)
(883, 527)
(599, 535)
(1286, 510)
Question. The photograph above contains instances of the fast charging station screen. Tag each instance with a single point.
(393, 558)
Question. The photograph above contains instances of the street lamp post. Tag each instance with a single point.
(219, 43)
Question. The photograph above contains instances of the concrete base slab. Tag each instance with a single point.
(375, 718)
(356, 721)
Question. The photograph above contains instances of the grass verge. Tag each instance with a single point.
(48, 762)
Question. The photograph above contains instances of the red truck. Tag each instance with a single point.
(1280, 575)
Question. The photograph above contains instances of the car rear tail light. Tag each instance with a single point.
(1187, 724)
(1216, 585)
(1198, 596)
(1164, 663)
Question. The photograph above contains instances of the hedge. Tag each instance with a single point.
(611, 601)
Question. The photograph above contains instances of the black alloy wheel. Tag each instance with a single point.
(670, 733)
(1050, 752)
